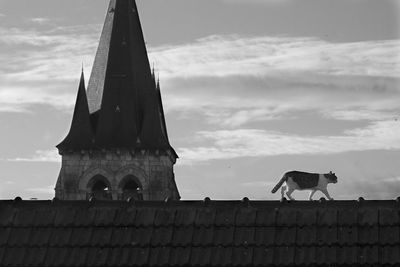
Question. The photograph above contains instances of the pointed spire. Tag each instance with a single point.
(80, 135)
(122, 90)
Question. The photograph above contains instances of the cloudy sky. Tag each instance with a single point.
(251, 88)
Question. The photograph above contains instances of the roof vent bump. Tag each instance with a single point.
(283, 200)
(246, 201)
(18, 199)
(361, 199)
(322, 200)
(206, 201)
(398, 199)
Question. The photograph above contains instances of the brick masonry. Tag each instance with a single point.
(153, 170)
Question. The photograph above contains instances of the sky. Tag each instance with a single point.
(251, 89)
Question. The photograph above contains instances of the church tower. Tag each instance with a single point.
(117, 147)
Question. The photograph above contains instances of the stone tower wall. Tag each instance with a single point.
(153, 170)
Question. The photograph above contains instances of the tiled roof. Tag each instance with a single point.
(200, 233)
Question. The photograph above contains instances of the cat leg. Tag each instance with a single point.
(325, 191)
(283, 189)
(311, 194)
(289, 193)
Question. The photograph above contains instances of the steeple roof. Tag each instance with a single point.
(80, 135)
(124, 101)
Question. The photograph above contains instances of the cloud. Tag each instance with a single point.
(41, 156)
(42, 190)
(42, 67)
(40, 20)
(266, 55)
(224, 144)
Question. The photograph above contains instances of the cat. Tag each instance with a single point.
(296, 180)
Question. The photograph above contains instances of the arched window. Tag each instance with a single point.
(131, 188)
(99, 188)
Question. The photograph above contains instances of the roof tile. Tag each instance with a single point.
(77, 257)
(347, 235)
(139, 256)
(287, 217)
(347, 255)
(97, 256)
(225, 217)
(389, 235)
(266, 217)
(265, 236)
(368, 234)
(45, 217)
(165, 217)
(390, 255)
(65, 216)
(347, 217)
(35, 256)
(242, 256)
(145, 217)
(203, 236)
(19, 236)
(13, 256)
(327, 216)
(125, 217)
(24, 217)
(306, 235)
(305, 255)
(327, 235)
(388, 217)
(81, 236)
(244, 236)
(325, 255)
(180, 256)
(185, 217)
(307, 217)
(162, 236)
(119, 256)
(263, 256)
(122, 236)
(85, 217)
(4, 235)
(246, 217)
(61, 236)
(285, 235)
(368, 255)
(367, 216)
(7, 215)
(183, 236)
(223, 236)
(200, 256)
(57, 256)
(159, 256)
(141, 236)
(205, 217)
(221, 256)
(101, 236)
(40, 236)
(105, 216)
(284, 256)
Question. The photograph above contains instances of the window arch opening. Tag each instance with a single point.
(131, 188)
(99, 188)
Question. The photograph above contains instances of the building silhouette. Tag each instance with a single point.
(117, 147)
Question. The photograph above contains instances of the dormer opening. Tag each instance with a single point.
(131, 188)
(99, 188)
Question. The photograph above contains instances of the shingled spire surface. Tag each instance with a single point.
(124, 101)
(80, 135)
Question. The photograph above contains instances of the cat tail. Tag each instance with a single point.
(279, 184)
